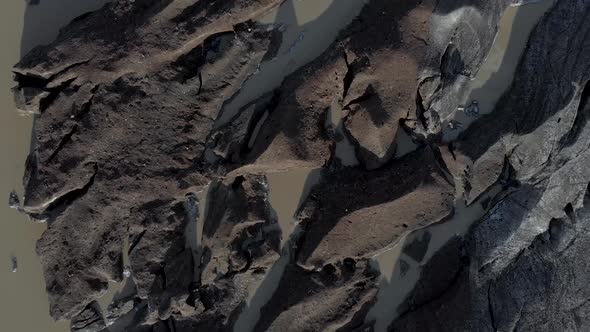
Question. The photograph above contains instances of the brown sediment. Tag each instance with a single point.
(496, 73)
(255, 167)
(24, 305)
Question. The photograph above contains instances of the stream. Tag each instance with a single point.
(23, 302)
(309, 26)
(400, 272)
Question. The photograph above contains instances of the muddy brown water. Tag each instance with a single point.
(310, 26)
(494, 77)
(398, 279)
(287, 190)
(23, 300)
(496, 73)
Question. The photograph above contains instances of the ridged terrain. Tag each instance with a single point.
(129, 133)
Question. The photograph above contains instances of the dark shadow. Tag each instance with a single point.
(310, 182)
(275, 276)
(344, 191)
(503, 220)
(444, 278)
(491, 12)
(290, 42)
(451, 64)
(294, 131)
(447, 275)
(43, 21)
(581, 119)
(436, 276)
(369, 159)
(419, 246)
(453, 276)
(298, 285)
(161, 255)
(375, 28)
(372, 103)
(286, 114)
(303, 126)
(216, 200)
(378, 25)
(235, 231)
(351, 183)
(554, 59)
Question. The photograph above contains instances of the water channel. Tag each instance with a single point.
(309, 26)
(400, 272)
(23, 301)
